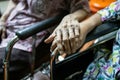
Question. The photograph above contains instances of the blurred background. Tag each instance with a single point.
(3, 5)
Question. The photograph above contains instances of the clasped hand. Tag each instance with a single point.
(67, 37)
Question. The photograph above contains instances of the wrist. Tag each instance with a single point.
(80, 15)
(83, 28)
(92, 22)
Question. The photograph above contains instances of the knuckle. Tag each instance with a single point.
(58, 41)
(71, 38)
(65, 39)
(77, 36)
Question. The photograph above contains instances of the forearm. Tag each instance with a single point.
(80, 14)
(90, 23)
(110, 13)
(11, 6)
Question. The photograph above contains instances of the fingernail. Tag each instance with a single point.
(45, 40)
(60, 58)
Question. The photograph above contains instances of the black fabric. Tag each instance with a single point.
(19, 63)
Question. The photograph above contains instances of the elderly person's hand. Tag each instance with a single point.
(68, 37)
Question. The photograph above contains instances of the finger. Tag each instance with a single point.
(66, 43)
(53, 46)
(71, 37)
(77, 37)
(50, 38)
(62, 57)
(55, 52)
(59, 41)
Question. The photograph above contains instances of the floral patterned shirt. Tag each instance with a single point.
(111, 13)
(106, 65)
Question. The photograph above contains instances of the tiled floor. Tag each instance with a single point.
(3, 5)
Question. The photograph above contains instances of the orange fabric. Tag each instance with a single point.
(96, 5)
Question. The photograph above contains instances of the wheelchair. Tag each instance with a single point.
(63, 69)
(74, 66)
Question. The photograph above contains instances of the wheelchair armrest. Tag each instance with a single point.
(32, 30)
(42, 25)
(27, 32)
(103, 29)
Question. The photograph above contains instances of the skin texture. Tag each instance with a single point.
(70, 35)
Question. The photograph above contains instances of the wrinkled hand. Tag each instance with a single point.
(2, 30)
(67, 38)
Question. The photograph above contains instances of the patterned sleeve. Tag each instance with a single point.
(111, 13)
(78, 4)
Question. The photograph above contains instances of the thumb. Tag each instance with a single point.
(50, 38)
